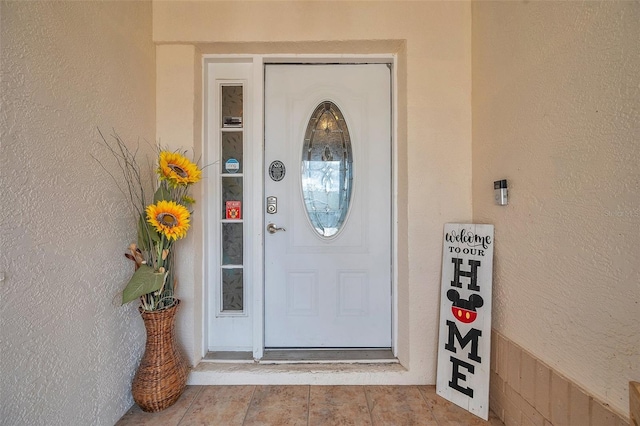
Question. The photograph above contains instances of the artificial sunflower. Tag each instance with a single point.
(169, 218)
(176, 169)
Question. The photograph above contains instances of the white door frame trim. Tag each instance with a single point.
(254, 227)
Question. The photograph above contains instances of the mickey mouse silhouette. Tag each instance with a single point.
(464, 310)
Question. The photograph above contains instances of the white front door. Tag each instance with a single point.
(328, 165)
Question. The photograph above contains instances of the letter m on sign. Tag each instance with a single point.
(472, 336)
(464, 348)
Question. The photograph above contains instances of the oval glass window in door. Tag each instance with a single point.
(327, 169)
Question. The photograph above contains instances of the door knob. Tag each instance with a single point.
(272, 228)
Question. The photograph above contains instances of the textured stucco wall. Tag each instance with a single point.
(177, 125)
(556, 111)
(434, 148)
(68, 350)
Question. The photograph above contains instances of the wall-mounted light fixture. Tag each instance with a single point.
(500, 192)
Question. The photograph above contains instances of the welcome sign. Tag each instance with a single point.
(464, 348)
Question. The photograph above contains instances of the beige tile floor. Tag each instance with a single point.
(309, 405)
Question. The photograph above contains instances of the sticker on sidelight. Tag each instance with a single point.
(232, 165)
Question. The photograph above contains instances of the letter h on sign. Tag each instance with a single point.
(472, 274)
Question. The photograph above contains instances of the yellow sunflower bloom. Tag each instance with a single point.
(169, 218)
(177, 169)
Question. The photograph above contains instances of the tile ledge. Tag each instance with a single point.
(211, 373)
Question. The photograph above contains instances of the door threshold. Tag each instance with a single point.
(306, 356)
(328, 356)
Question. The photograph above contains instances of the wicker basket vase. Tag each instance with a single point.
(162, 375)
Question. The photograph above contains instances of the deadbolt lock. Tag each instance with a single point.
(272, 205)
